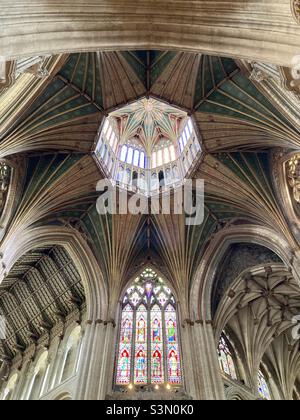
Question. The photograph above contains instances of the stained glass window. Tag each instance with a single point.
(140, 366)
(263, 388)
(124, 360)
(226, 358)
(174, 375)
(157, 351)
(148, 351)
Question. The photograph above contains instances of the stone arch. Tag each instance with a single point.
(37, 371)
(200, 296)
(63, 396)
(283, 191)
(16, 167)
(135, 273)
(237, 394)
(114, 359)
(253, 310)
(80, 253)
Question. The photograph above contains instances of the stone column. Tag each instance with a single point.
(30, 376)
(56, 358)
(46, 381)
(187, 359)
(207, 376)
(4, 369)
(98, 346)
(20, 387)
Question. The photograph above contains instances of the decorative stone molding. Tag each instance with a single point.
(237, 392)
(291, 76)
(293, 174)
(296, 9)
(5, 175)
(260, 73)
(187, 322)
(10, 70)
(190, 25)
(7, 73)
(32, 65)
(148, 392)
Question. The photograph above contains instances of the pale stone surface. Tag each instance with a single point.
(257, 30)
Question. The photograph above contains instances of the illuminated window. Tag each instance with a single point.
(160, 157)
(142, 160)
(129, 156)
(172, 153)
(166, 155)
(148, 135)
(154, 165)
(148, 351)
(123, 153)
(263, 388)
(136, 158)
(226, 358)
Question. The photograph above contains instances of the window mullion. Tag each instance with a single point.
(164, 338)
(133, 347)
(149, 354)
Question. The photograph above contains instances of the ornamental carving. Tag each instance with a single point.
(291, 76)
(5, 172)
(11, 70)
(296, 9)
(294, 176)
(7, 73)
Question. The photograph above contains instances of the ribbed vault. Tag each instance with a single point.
(258, 307)
(213, 89)
(230, 112)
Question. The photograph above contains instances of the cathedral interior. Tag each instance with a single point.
(123, 305)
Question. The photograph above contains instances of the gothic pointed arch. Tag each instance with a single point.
(148, 350)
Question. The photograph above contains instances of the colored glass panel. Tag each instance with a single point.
(157, 364)
(148, 348)
(263, 388)
(226, 359)
(140, 365)
(125, 347)
(173, 356)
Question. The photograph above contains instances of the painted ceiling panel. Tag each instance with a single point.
(177, 82)
(89, 83)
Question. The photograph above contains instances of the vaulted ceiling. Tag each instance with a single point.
(55, 134)
(259, 309)
(41, 290)
(221, 98)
